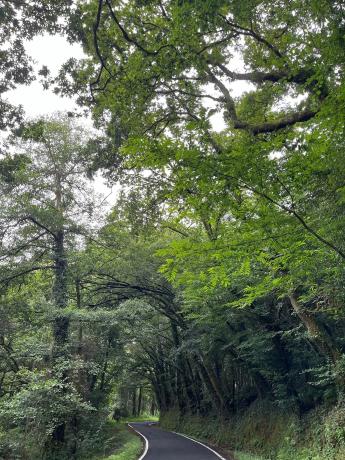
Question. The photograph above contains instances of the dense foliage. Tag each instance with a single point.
(214, 286)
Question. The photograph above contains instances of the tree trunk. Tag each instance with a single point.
(195, 386)
(210, 384)
(179, 370)
(140, 400)
(61, 322)
(134, 402)
(105, 364)
(318, 334)
(80, 326)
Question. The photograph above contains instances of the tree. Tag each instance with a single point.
(41, 218)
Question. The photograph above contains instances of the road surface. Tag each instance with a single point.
(165, 445)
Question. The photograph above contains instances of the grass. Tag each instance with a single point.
(143, 418)
(117, 442)
(244, 456)
(120, 444)
(129, 451)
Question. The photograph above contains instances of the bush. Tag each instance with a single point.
(29, 417)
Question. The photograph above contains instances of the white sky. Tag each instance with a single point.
(52, 51)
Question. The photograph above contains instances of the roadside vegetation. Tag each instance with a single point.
(266, 433)
(210, 292)
(119, 443)
(243, 456)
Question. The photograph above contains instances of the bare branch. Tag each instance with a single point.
(274, 76)
(96, 45)
(230, 103)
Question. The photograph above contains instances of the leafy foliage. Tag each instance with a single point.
(215, 286)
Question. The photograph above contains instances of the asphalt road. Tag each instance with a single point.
(165, 445)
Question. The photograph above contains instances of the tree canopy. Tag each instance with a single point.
(213, 286)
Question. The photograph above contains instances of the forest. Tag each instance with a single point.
(210, 293)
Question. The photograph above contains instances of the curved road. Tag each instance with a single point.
(165, 445)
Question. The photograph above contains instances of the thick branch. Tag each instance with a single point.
(230, 103)
(274, 76)
(266, 127)
(95, 42)
(176, 230)
(274, 125)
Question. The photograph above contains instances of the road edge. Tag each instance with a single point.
(146, 448)
(202, 444)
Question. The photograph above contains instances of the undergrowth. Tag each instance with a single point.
(120, 443)
(264, 432)
(245, 456)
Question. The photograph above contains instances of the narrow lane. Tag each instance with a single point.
(165, 445)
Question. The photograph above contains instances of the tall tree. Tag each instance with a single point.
(42, 215)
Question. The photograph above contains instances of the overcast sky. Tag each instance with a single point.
(51, 51)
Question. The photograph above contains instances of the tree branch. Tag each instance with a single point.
(280, 123)
(26, 272)
(96, 45)
(230, 103)
(36, 222)
(295, 214)
(125, 34)
(257, 76)
(252, 33)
